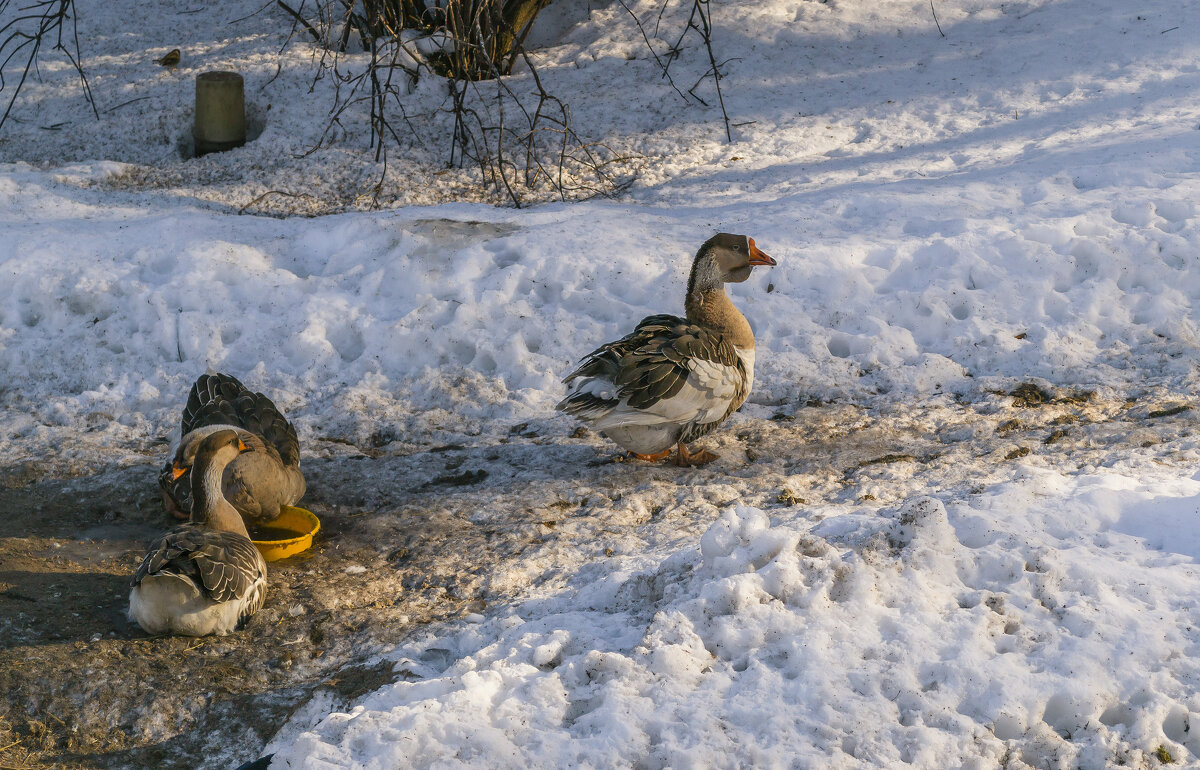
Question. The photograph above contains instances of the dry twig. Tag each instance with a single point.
(316, 36)
(32, 27)
(519, 143)
(700, 19)
(283, 193)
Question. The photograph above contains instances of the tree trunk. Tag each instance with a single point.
(488, 33)
(518, 20)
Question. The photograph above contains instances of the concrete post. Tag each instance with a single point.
(220, 112)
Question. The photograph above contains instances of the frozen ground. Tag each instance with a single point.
(901, 558)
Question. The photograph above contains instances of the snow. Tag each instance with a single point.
(920, 635)
(953, 215)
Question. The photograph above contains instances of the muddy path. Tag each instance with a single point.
(414, 535)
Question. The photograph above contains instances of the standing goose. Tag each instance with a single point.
(203, 577)
(674, 380)
(258, 483)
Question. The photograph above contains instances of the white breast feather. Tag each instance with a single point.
(168, 603)
(595, 386)
(704, 397)
(682, 407)
(718, 379)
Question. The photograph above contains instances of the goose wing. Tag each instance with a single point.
(221, 399)
(225, 564)
(257, 483)
(667, 368)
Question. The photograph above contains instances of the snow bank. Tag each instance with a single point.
(112, 307)
(950, 212)
(1023, 625)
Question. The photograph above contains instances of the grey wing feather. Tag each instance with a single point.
(648, 375)
(221, 399)
(226, 564)
(169, 554)
(652, 362)
(229, 564)
(256, 483)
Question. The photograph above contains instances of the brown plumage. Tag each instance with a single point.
(223, 562)
(675, 379)
(204, 577)
(652, 362)
(257, 484)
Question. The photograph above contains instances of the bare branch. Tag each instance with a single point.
(664, 67)
(38, 23)
(269, 193)
(519, 143)
(700, 19)
(701, 8)
(316, 36)
(935, 19)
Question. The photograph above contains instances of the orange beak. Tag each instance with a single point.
(758, 256)
(242, 447)
(176, 472)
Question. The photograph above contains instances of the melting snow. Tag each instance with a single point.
(952, 214)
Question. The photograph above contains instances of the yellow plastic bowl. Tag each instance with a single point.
(291, 519)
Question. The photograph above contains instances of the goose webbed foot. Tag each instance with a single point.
(686, 459)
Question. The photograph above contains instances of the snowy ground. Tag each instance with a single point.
(896, 561)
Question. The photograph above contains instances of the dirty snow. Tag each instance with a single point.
(953, 215)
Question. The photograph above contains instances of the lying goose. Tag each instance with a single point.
(674, 380)
(203, 577)
(258, 483)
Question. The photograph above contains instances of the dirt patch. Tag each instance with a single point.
(85, 688)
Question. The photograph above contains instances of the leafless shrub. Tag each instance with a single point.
(517, 134)
(32, 27)
(493, 30)
(699, 20)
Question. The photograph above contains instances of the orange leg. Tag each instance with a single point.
(654, 457)
(684, 458)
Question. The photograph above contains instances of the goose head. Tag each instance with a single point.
(214, 452)
(189, 445)
(725, 258)
(218, 449)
